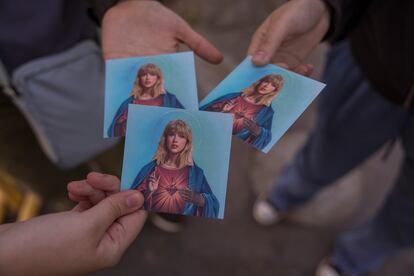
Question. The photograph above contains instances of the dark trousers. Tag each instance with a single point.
(353, 122)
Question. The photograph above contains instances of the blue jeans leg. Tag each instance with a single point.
(365, 248)
(353, 121)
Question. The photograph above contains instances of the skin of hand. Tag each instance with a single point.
(122, 119)
(192, 197)
(251, 126)
(228, 106)
(92, 236)
(153, 182)
(238, 115)
(141, 28)
(289, 34)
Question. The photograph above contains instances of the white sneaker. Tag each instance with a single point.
(265, 214)
(170, 223)
(325, 269)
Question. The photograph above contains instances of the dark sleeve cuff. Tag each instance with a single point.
(335, 10)
(97, 9)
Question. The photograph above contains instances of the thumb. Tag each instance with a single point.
(265, 42)
(113, 207)
(121, 234)
(198, 44)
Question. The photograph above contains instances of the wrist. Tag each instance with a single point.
(6, 226)
(114, 4)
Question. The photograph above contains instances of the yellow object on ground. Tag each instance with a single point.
(3, 205)
(17, 198)
(13, 192)
(30, 206)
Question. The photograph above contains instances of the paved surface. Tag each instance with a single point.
(235, 245)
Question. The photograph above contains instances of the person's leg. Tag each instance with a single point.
(353, 122)
(365, 248)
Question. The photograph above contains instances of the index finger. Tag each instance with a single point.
(266, 41)
(81, 191)
(104, 182)
(184, 192)
(248, 121)
(198, 44)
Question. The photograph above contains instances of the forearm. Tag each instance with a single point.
(5, 227)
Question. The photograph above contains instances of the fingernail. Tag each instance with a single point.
(133, 200)
(259, 56)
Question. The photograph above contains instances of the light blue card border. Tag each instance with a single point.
(178, 70)
(211, 143)
(298, 92)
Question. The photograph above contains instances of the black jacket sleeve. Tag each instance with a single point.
(345, 15)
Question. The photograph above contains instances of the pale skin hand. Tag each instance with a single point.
(228, 106)
(289, 34)
(251, 126)
(92, 236)
(153, 181)
(192, 197)
(98, 230)
(140, 28)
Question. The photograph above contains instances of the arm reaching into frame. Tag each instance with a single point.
(289, 34)
(140, 28)
(92, 236)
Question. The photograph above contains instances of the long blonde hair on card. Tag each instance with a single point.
(157, 89)
(251, 91)
(185, 157)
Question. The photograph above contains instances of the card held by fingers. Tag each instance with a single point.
(164, 80)
(265, 101)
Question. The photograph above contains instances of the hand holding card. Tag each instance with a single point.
(289, 34)
(75, 242)
(163, 80)
(143, 28)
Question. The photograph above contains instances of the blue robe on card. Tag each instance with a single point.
(197, 182)
(263, 119)
(169, 100)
